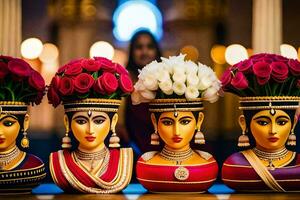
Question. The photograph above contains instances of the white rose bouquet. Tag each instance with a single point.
(176, 78)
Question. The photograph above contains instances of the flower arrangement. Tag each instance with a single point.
(263, 75)
(19, 82)
(176, 78)
(89, 78)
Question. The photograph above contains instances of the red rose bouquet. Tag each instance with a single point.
(263, 75)
(89, 78)
(19, 82)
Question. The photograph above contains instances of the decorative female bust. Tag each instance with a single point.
(268, 86)
(172, 88)
(20, 85)
(90, 90)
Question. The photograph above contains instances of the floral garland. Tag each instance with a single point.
(19, 82)
(176, 78)
(263, 75)
(89, 78)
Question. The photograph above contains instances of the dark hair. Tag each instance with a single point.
(131, 65)
(75, 143)
(249, 115)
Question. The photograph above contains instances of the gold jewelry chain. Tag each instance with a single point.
(279, 155)
(91, 156)
(7, 157)
(178, 157)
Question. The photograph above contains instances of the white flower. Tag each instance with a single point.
(163, 75)
(211, 95)
(179, 77)
(150, 82)
(147, 94)
(192, 79)
(204, 83)
(191, 93)
(179, 88)
(191, 67)
(166, 87)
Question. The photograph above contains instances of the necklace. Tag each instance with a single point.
(271, 156)
(178, 157)
(84, 156)
(7, 157)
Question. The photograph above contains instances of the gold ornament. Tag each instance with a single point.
(181, 173)
(66, 141)
(25, 140)
(292, 139)
(199, 137)
(243, 140)
(114, 140)
(154, 138)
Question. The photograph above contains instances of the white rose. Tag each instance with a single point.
(191, 92)
(191, 67)
(192, 79)
(204, 83)
(166, 87)
(211, 95)
(163, 75)
(179, 77)
(179, 88)
(139, 86)
(150, 82)
(147, 94)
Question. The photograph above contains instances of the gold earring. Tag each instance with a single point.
(292, 139)
(25, 140)
(66, 141)
(114, 139)
(154, 137)
(243, 140)
(199, 137)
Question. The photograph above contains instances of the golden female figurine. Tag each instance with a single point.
(91, 90)
(20, 85)
(268, 87)
(172, 89)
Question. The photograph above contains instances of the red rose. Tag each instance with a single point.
(106, 64)
(53, 98)
(66, 86)
(120, 69)
(281, 58)
(245, 66)
(262, 69)
(36, 81)
(3, 69)
(294, 67)
(6, 58)
(62, 69)
(39, 97)
(109, 82)
(90, 65)
(98, 88)
(73, 69)
(19, 67)
(55, 82)
(239, 81)
(226, 77)
(83, 82)
(280, 71)
(125, 83)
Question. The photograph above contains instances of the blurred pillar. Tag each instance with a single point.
(10, 27)
(267, 26)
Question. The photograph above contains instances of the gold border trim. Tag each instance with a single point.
(13, 103)
(176, 182)
(94, 101)
(187, 165)
(269, 98)
(81, 109)
(267, 107)
(183, 100)
(173, 109)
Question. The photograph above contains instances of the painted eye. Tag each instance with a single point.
(99, 121)
(262, 123)
(167, 122)
(282, 122)
(185, 121)
(8, 123)
(81, 121)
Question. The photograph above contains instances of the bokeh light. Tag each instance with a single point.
(31, 48)
(102, 49)
(191, 52)
(217, 54)
(134, 15)
(235, 53)
(288, 51)
(49, 53)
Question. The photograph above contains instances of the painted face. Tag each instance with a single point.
(9, 130)
(271, 131)
(176, 132)
(144, 50)
(90, 129)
